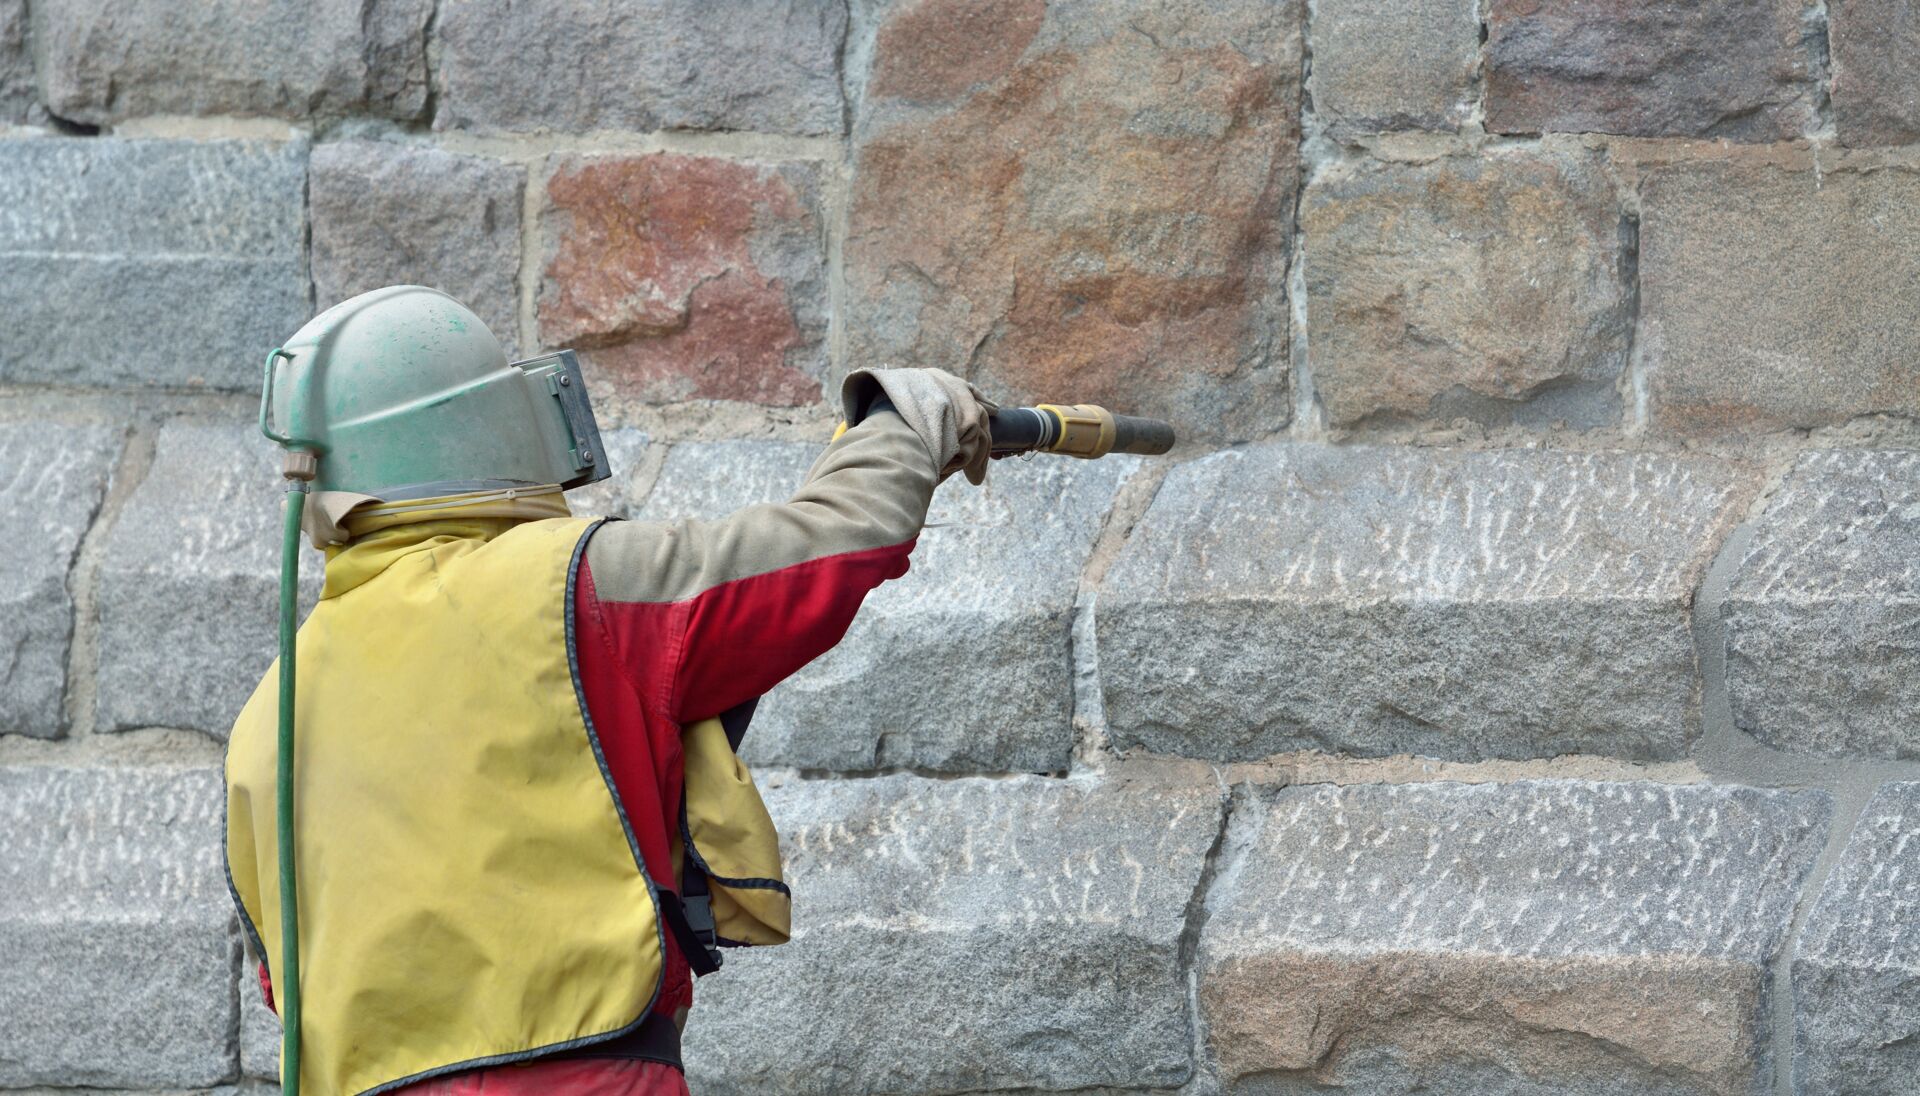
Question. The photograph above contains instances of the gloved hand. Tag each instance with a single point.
(949, 414)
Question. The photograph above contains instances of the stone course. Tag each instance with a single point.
(106, 60)
(53, 477)
(1524, 938)
(113, 908)
(167, 263)
(1876, 71)
(967, 935)
(18, 94)
(1492, 288)
(939, 671)
(1090, 202)
(385, 214)
(1445, 603)
(1820, 612)
(1761, 314)
(1856, 971)
(1745, 70)
(1384, 65)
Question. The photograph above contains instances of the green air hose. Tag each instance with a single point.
(288, 976)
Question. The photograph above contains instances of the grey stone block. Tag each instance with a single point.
(387, 214)
(260, 1031)
(1876, 71)
(108, 60)
(1464, 605)
(964, 664)
(19, 93)
(1493, 288)
(1821, 613)
(1385, 65)
(1760, 313)
(1856, 968)
(53, 477)
(170, 263)
(1535, 937)
(1746, 70)
(116, 932)
(765, 65)
(967, 935)
(189, 585)
(624, 448)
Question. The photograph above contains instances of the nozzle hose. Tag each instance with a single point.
(286, 980)
(1083, 430)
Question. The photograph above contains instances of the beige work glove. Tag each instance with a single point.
(949, 414)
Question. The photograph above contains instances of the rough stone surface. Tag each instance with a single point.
(1876, 70)
(149, 262)
(688, 277)
(1083, 202)
(940, 670)
(1821, 614)
(1760, 313)
(107, 60)
(52, 479)
(1385, 65)
(625, 448)
(385, 214)
(116, 933)
(1495, 288)
(1856, 969)
(1536, 937)
(190, 581)
(770, 66)
(260, 1031)
(1455, 604)
(19, 92)
(967, 935)
(1746, 70)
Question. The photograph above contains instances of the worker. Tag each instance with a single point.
(497, 702)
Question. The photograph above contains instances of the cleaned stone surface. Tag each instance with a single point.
(1856, 969)
(1535, 937)
(260, 1031)
(1761, 313)
(386, 214)
(1746, 70)
(112, 59)
(1876, 70)
(189, 585)
(1495, 288)
(53, 477)
(967, 935)
(173, 263)
(964, 664)
(1080, 202)
(1385, 65)
(1460, 605)
(18, 91)
(688, 277)
(624, 448)
(770, 66)
(1822, 610)
(116, 933)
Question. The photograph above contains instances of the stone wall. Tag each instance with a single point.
(1508, 687)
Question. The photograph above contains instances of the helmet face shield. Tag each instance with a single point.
(573, 436)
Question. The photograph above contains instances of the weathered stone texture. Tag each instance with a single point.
(260, 1031)
(116, 934)
(1081, 201)
(1536, 937)
(19, 92)
(52, 479)
(1876, 70)
(1454, 604)
(1779, 298)
(624, 448)
(108, 60)
(386, 214)
(1495, 288)
(149, 262)
(1856, 969)
(189, 585)
(1385, 65)
(771, 66)
(967, 935)
(688, 277)
(1746, 70)
(1821, 613)
(940, 670)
